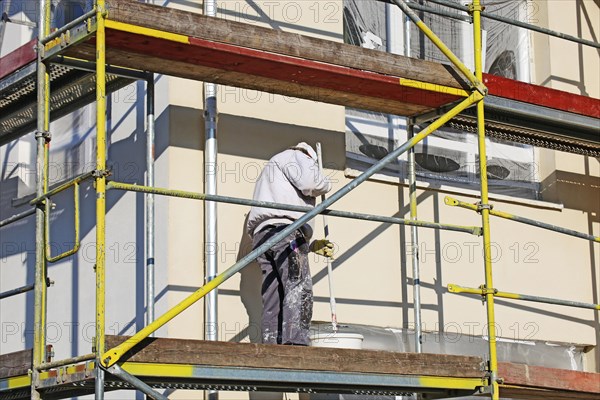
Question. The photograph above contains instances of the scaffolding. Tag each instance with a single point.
(117, 355)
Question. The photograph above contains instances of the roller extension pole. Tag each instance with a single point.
(334, 324)
(42, 140)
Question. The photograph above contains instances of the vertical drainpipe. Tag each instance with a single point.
(210, 208)
(392, 33)
(150, 199)
(412, 190)
(414, 239)
(43, 87)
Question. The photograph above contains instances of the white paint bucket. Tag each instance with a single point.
(338, 340)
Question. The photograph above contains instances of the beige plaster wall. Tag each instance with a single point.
(185, 218)
(370, 270)
(567, 65)
(312, 18)
(570, 179)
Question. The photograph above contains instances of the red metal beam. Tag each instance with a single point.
(284, 68)
(549, 378)
(18, 58)
(315, 74)
(542, 96)
(328, 76)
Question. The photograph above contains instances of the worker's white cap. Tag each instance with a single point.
(307, 148)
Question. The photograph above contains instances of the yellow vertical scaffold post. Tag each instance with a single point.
(475, 9)
(479, 88)
(100, 181)
(42, 138)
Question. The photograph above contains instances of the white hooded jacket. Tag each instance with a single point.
(290, 177)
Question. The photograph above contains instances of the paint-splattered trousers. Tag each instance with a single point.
(286, 287)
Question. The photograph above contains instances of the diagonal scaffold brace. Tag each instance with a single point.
(120, 373)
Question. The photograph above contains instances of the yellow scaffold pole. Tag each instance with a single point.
(475, 9)
(42, 137)
(100, 175)
(452, 288)
(457, 203)
(475, 80)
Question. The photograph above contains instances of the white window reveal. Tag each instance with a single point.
(447, 159)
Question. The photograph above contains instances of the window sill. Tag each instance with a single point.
(353, 173)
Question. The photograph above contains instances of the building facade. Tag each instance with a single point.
(372, 270)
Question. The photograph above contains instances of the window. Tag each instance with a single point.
(448, 157)
(71, 154)
(66, 11)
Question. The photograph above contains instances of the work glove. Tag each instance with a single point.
(322, 247)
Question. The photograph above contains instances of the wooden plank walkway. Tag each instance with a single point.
(230, 53)
(519, 381)
(251, 355)
(16, 363)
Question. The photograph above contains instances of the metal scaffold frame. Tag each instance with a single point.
(104, 359)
